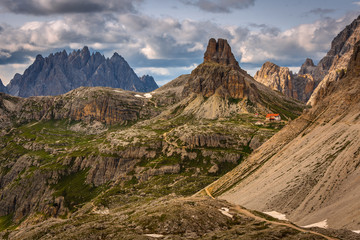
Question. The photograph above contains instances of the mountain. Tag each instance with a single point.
(312, 79)
(334, 64)
(310, 169)
(298, 86)
(59, 73)
(219, 87)
(2, 88)
(119, 164)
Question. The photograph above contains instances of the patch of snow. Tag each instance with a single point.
(148, 95)
(154, 235)
(153, 92)
(356, 231)
(322, 224)
(277, 215)
(118, 91)
(225, 211)
(137, 95)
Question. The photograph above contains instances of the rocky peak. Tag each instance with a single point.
(283, 80)
(309, 62)
(219, 74)
(116, 57)
(308, 67)
(59, 73)
(332, 66)
(220, 52)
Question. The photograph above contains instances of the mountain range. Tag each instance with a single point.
(311, 80)
(61, 72)
(186, 160)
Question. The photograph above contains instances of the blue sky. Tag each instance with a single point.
(168, 38)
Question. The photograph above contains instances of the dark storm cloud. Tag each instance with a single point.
(220, 6)
(38, 7)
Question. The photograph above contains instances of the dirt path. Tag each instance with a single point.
(247, 213)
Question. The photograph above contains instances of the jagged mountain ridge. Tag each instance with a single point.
(310, 169)
(61, 72)
(311, 79)
(220, 81)
(297, 86)
(336, 60)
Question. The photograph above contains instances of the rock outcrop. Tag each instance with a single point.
(2, 87)
(59, 73)
(108, 106)
(308, 67)
(310, 169)
(227, 88)
(330, 68)
(220, 52)
(219, 73)
(298, 86)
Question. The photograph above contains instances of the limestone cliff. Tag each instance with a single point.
(298, 86)
(61, 72)
(310, 169)
(330, 67)
(227, 88)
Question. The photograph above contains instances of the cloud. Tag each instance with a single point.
(219, 6)
(166, 46)
(292, 46)
(48, 7)
(319, 12)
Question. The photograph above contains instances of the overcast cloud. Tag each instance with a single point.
(163, 46)
(220, 6)
(49, 7)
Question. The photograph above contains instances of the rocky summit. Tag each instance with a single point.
(220, 52)
(298, 86)
(61, 72)
(334, 64)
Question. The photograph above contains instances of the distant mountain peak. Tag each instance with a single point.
(59, 73)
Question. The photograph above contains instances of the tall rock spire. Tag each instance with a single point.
(220, 52)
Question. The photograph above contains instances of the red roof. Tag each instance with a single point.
(269, 115)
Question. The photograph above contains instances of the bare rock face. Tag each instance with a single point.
(104, 105)
(330, 68)
(220, 52)
(60, 73)
(283, 80)
(308, 67)
(310, 169)
(219, 73)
